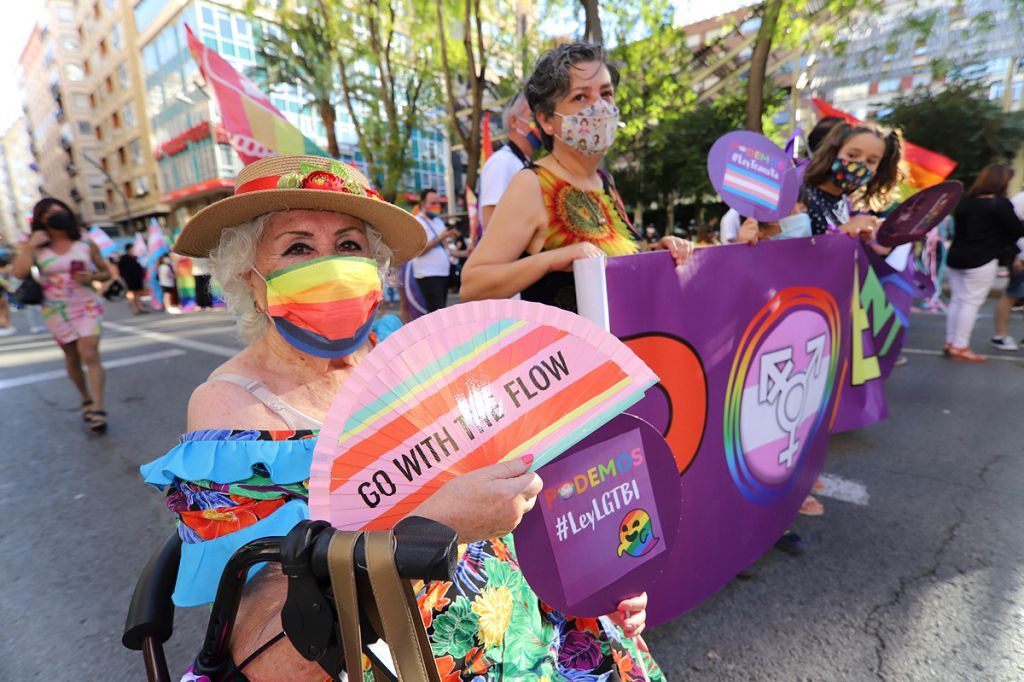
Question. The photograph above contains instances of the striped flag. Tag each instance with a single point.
(752, 186)
(255, 127)
(102, 241)
(924, 167)
(139, 246)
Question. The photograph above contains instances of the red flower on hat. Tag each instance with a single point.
(371, 192)
(323, 180)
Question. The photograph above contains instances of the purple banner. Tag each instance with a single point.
(752, 345)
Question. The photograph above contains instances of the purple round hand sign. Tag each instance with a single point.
(916, 216)
(753, 175)
(605, 525)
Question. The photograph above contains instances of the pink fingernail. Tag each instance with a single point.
(528, 459)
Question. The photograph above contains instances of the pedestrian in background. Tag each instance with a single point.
(432, 267)
(985, 226)
(201, 272)
(6, 328)
(168, 285)
(514, 155)
(134, 276)
(68, 266)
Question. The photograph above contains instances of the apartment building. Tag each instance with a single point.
(56, 103)
(121, 169)
(196, 164)
(916, 43)
(19, 183)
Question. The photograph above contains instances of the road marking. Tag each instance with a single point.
(842, 489)
(928, 351)
(174, 340)
(36, 377)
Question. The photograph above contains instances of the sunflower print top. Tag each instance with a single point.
(574, 216)
(228, 487)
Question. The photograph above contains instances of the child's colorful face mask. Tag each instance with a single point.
(325, 306)
(849, 176)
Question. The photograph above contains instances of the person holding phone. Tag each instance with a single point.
(68, 266)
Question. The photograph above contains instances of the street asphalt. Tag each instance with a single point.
(919, 578)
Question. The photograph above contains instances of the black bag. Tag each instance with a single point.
(29, 292)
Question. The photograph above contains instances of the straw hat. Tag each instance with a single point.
(282, 183)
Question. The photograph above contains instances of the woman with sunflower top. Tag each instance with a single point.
(564, 207)
(301, 251)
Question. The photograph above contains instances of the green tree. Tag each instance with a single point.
(292, 52)
(960, 122)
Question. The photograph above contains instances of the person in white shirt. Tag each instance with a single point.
(432, 267)
(514, 156)
(729, 226)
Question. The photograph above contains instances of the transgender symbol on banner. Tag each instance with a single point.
(917, 216)
(461, 388)
(753, 175)
(606, 522)
(781, 383)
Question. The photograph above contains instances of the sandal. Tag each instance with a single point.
(97, 421)
(811, 507)
(965, 354)
(85, 412)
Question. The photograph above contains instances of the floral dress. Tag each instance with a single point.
(71, 310)
(230, 487)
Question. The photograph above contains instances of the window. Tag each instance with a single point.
(65, 14)
(122, 77)
(99, 135)
(116, 119)
(141, 186)
(99, 207)
(103, 163)
(86, 67)
(92, 101)
(122, 157)
(126, 187)
(84, 128)
(115, 37)
(890, 85)
(70, 43)
(129, 116)
(136, 150)
(103, 48)
(80, 101)
(74, 72)
(110, 84)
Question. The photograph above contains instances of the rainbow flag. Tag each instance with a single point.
(186, 283)
(255, 126)
(924, 167)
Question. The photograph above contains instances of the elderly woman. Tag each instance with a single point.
(301, 251)
(564, 207)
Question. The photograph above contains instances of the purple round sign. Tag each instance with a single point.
(605, 524)
(753, 175)
(918, 215)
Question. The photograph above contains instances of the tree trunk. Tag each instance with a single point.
(592, 25)
(759, 64)
(329, 118)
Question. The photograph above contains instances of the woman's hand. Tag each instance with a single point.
(681, 249)
(862, 225)
(631, 615)
(486, 503)
(38, 239)
(84, 278)
(561, 259)
(748, 233)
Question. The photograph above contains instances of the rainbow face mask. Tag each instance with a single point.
(325, 306)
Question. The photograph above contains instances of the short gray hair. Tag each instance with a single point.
(513, 104)
(550, 79)
(235, 255)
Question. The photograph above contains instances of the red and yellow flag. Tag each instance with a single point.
(255, 126)
(486, 149)
(924, 167)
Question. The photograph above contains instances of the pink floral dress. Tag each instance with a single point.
(71, 310)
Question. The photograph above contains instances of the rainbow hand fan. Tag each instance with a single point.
(459, 389)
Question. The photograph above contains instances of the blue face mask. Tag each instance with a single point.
(795, 226)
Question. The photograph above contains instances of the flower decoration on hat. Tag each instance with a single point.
(339, 178)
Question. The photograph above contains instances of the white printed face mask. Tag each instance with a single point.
(591, 131)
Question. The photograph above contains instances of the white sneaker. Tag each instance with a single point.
(1004, 342)
(8, 331)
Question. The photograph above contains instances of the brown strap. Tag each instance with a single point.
(343, 580)
(399, 614)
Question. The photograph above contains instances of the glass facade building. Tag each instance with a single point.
(196, 163)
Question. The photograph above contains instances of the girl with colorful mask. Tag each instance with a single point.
(854, 166)
(564, 207)
(301, 251)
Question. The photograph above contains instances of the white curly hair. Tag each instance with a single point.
(235, 255)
